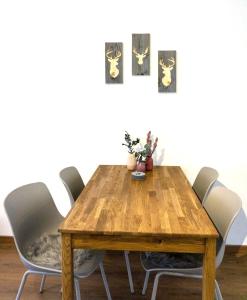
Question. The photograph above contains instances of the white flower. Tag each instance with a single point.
(139, 148)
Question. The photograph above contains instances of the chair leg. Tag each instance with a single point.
(145, 283)
(42, 283)
(155, 286)
(77, 289)
(23, 281)
(126, 256)
(105, 281)
(217, 291)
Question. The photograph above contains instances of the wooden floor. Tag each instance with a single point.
(232, 277)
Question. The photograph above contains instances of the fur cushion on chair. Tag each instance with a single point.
(155, 260)
(46, 251)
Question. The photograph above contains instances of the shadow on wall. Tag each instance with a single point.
(158, 159)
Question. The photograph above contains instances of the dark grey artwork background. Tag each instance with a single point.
(140, 42)
(165, 58)
(115, 64)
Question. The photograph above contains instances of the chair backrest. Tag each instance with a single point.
(73, 182)
(223, 206)
(31, 212)
(204, 182)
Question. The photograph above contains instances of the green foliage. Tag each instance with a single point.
(130, 143)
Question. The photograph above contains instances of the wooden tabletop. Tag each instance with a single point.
(163, 204)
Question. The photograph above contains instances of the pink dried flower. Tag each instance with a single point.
(149, 142)
(154, 146)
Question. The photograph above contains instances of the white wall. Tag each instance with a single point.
(56, 110)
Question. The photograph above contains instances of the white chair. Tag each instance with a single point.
(74, 185)
(204, 182)
(222, 205)
(31, 212)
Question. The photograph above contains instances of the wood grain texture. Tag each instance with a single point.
(114, 63)
(167, 71)
(141, 54)
(141, 244)
(163, 205)
(67, 267)
(208, 283)
(7, 242)
(161, 213)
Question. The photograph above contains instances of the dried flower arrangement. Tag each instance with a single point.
(144, 155)
(140, 154)
(147, 150)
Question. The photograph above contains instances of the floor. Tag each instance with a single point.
(232, 277)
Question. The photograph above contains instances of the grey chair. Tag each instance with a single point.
(222, 205)
(204, 182)
(74, 185)
(31, 212)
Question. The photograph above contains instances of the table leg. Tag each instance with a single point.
(67, 267)
(208, 283)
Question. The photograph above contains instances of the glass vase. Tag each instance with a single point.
(149, 163)
(141, 166)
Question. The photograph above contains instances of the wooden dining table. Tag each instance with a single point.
(160, 213)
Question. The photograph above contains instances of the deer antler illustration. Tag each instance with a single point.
(166, 80)
(114, 71)
(140, 56)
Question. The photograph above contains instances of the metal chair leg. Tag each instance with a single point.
(105, 281)
(41, 288)
(126, 256)
(145, 283)
(23, 281)
(77, 289)
(155, 286)
(217, 291)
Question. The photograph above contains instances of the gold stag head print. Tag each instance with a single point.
(114, 71)
(140, 56)
(166, 80)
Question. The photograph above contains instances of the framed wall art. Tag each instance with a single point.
(140, 54)
(114, 62)
(167, 71)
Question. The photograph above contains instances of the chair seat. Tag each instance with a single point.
(45, 252)
(89, 265)
(34, 220)
(173, 261)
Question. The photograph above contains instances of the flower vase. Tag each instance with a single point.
(131, 162)
(149, 163)
(141, 166)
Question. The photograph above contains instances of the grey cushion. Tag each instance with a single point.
(154, 260)
(158, 260)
